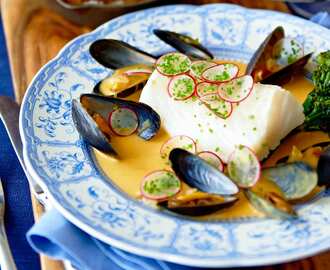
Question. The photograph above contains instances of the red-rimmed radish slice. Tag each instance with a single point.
(181, 87)
(123, 121)
(205, 88)
(160, 185)
(237, 89)
(217, 105)
(244, 167)
(198, 67)
(286, 51)
(180, 141)
(220, 73)
(173, 64)
(212, 158)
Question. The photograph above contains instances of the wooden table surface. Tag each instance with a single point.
(37, 29)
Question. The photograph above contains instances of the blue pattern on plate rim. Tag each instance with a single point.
(63, 165)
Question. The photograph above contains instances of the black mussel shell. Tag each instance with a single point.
(296, 179)
(271, 205)
(149, 120)
(323, 168)
(116, 54)
(89, 130)
(96, 88)
(259, 58)
(258, 62)
(285, 74)
(199, 210)
(184, 44)
(197, 173)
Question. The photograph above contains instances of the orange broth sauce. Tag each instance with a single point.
(139, 157)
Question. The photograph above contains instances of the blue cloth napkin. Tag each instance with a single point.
(18, 214)
(322, 18)
(62, 240)
(307, 10)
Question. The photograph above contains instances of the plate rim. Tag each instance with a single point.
(180, 259)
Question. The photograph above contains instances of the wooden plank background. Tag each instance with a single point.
(37, 29)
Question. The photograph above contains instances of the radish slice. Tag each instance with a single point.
(237, 89)
(198, 67)
(286, 51)
(212, 158)
(173, 64)
(160, 185)
(180, 141)
(220, 73)
(244, 167)
(217, 105)
(123, 121)
(181, 87)
(204, 88)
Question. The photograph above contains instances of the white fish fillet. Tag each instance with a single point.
(259, 122)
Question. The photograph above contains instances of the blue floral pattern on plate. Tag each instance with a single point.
(63, 164)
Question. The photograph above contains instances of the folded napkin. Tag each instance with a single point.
(322, 18)
(64, 241)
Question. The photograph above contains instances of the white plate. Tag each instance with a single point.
(63, 165)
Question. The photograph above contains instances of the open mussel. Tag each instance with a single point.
(116, 54)
(198, 203)
(258, 62)
(296, 180)
(284, 75)
(124, 81)
(97, 118)
(271, 204)
(323, 168)
(184, 44)
(198, 173)
(90, 130)
(277, 59)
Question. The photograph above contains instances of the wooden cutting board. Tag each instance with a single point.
(37, 29)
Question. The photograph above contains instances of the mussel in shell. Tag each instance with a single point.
(184, 44)
(116, 54)
(258, 63)
(284, 75)
(198, 203)
(90, 130)
(124, 81)
(92, 118)
(263, 65)
(198, 173)
(323, 168)
(271, 204)
(296, 180)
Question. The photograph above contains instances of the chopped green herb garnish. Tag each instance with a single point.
(173, 63)
(163, 183)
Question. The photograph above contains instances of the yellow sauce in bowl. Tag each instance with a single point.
(139, 157)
